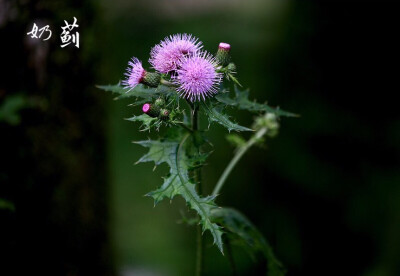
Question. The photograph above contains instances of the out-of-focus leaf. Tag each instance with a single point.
(215, 114)
(236, 140)
(9, 109)
(241, 100)
(239, 228)
(178, 182)
(5, 204)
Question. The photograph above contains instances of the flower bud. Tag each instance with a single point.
(231, 67)
(164, 114)
(151, 79)
(159, 102)
(151, 110)
(268, 120)
(222, 55)
(272, 124)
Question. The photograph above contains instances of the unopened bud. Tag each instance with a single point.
(151, 110)
(270, 121)
(164, 114)
(231, 67)
(222, 55)
(151, 79)
(159, 102)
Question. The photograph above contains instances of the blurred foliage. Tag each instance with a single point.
(242, 232)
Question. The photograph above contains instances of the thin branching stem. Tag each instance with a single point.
(239, 153)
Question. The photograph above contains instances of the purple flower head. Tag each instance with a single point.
(197, 78)
(166, 56)
(134, 73)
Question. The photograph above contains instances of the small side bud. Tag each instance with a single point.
(270, 121)
(231, 67)
(160, 102)
(151, 110)
(164, 114)
(151, 79)
(222, 55)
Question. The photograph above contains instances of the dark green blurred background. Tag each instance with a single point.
(325, 192)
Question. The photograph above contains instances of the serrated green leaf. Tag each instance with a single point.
(214, 114)
(241, 100)
(147, 121)
(242, 229)
(223, 97)
(198, 160)
(140, 91)
(178, 182)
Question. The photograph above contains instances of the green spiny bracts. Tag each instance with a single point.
(151, 79)
(160, 102)
(164, 114)
(222, 55)
(151, 110)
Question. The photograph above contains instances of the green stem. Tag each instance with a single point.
(241, 151)
(181, 124)
(197, 179)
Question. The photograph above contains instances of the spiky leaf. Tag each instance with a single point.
(179, 183)
(240, 230)
(140, 91)
(215, 114)
(241, 100)
(147, 121)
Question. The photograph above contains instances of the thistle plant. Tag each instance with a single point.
(189, 82)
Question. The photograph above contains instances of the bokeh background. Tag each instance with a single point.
(325, 192)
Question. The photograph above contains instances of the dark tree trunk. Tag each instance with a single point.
(52, 164)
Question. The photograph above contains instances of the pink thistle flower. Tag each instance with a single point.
(166, 56)
(134, 73)
(224, 46)
(146, 108)
(197, 77)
